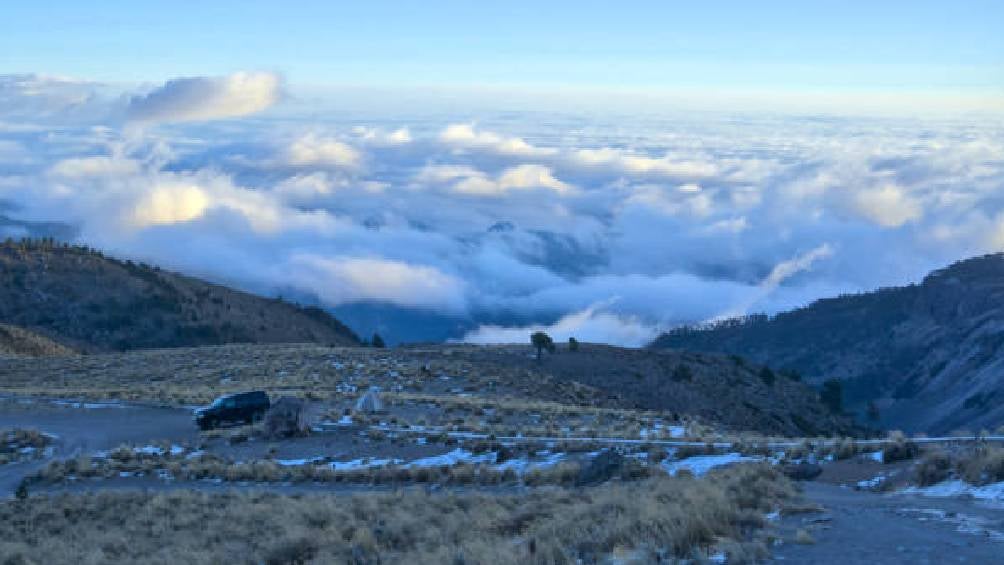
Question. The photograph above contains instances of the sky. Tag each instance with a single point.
(939, 48)
(477, 171)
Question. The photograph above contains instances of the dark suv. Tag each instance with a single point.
(241, 407)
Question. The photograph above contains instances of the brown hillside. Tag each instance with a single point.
(94, 303)
(17, 341)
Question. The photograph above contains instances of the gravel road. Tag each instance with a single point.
(862, 527)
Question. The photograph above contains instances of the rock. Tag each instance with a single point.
(602, 468)
(802, 471)
(286, 417)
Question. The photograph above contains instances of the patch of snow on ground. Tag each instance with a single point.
(452, 458)
(992, 493)
(294, 462)
(873, 482)
(701, 464)
(522, 465)
(362, 464)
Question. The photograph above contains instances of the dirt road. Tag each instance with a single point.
(89, 428)
(862, 527)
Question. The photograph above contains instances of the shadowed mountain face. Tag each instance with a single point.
(930, 356)
(93, 303)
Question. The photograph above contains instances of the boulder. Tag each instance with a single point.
(802, 471)
(605, 466)
(286, 417)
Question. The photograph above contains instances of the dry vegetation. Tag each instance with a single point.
(18, 341)
(979, 465)
(174, 463)
(18, 444)
(195, 376)
(655, 519)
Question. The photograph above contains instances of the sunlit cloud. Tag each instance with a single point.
(206, 98)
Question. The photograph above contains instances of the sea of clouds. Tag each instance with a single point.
(606, 226)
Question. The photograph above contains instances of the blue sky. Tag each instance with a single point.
(932, 47)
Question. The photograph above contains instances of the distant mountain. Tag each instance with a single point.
(18, 341)
(92, 303)
(930, 356)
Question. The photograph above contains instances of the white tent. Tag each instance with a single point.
(370, 402)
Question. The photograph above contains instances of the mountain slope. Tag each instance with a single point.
(717, 388)
(930, 356)
(93, 303)
(17, 341)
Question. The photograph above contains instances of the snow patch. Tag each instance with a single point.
(701, 464)
(991, 493)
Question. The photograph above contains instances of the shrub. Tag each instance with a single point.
(933, 468)
(984, 466)
(899, 448)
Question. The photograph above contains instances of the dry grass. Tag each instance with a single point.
(17, 444)
(197, 375)
(977, 465)
(900, 448)
(657, 519)
(125, 461)
(982, 465)
(935, 466)
(19, 341)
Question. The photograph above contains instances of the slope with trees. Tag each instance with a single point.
(925, 357)
(92, 303)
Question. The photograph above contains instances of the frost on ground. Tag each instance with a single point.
(954, 488)
(701, 464)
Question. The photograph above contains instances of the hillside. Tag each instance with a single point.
(716, 388)
(929, 355)
(93, 303)
(17, 341)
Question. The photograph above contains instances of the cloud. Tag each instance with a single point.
(464, 135)
(464, 179)
(590, 325)
(38, 97)
(888, 206)
(171, 204)
(339, 280)
(607, 233)
(313, 150)
(206, 98)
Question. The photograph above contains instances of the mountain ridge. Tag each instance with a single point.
(926, 355)
(90, 302)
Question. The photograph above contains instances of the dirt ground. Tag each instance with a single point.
(862, 527)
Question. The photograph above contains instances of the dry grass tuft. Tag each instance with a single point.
(900, 448)
(656, 519)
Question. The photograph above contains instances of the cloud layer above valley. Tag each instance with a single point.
(608, 228)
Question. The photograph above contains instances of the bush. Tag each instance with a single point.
(933, 468)
(900, 449)
(984, 466)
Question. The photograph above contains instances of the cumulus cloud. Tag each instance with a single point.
(313, 150)
(888, 206)
(465, 136)
(206, 98)
(606, 234)
(339, 280)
